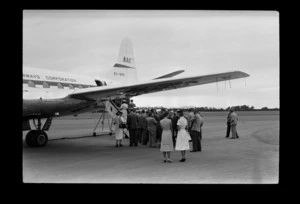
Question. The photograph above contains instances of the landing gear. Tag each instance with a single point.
(110, 123)
(38, 137)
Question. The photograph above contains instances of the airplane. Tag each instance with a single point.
(48, 94)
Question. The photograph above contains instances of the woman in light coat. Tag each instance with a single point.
(166, 145)
(119, 131)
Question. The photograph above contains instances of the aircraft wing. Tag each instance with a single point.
(113, 92)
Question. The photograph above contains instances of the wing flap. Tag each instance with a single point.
(114, 92)
(170, 74)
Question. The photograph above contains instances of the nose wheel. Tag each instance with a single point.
(36, 138)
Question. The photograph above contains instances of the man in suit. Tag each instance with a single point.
(196, 132)
(228, 125)
(142, 126)
(133, 126)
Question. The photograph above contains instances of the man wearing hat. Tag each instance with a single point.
(131, 104)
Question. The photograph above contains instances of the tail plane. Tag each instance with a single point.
(124, 70)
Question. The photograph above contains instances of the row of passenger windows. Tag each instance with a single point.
(59, 85)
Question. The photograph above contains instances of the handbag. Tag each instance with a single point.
(121, 124)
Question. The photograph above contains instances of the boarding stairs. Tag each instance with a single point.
(109, 114)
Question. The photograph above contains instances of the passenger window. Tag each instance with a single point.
(71, 86)
(31, 84)
(80, 86)
(46, 85)
(59, 86)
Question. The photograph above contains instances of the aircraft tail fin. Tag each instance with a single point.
(124, 69)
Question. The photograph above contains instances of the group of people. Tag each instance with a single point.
(168, 130)
(232, 119)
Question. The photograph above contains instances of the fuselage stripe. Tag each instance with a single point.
(52, 83)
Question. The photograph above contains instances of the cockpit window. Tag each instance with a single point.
(100, 83)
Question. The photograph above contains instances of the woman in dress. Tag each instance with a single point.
(166, 145)
(119, 131)
(182, 141)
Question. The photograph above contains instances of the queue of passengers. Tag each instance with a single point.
(168, 130)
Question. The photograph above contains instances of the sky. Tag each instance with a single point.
(199, 42)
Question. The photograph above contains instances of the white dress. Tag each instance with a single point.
(118, 131)
(183, 137)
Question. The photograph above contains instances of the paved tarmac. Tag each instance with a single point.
(251, 159)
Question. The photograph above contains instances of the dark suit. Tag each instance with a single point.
(142, 127)
(133, 126)
(174, 130)
(158, 128)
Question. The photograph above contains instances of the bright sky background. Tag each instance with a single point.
(200, 42)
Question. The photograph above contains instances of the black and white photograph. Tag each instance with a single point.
(150, 96)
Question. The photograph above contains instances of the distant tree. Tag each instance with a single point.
(264, 108)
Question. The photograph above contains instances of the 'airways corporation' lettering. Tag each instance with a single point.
(32, 76)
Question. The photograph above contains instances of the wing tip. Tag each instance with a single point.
(244, 74)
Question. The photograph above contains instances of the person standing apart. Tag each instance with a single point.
(233, 123)
(196, 124)
(151, 127)
(133, 125)
(166, 145)
(119, 130)
(228, 125)
(182, 141)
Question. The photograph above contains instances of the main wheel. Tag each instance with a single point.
(36, 138)
(28, 139)
(40, 138)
